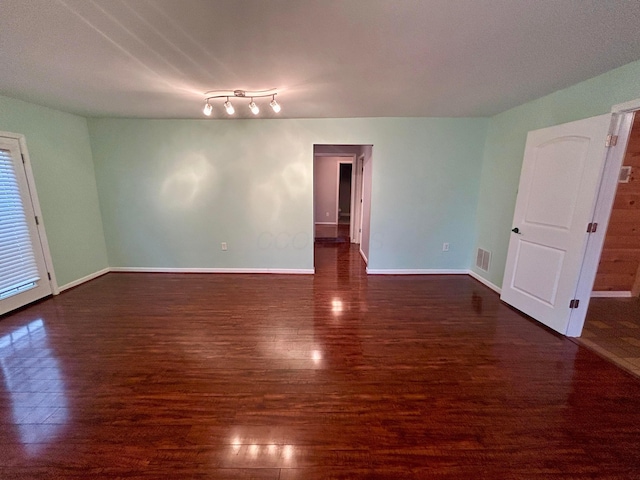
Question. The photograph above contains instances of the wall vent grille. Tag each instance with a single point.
(483, 258)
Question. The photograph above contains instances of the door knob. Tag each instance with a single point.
(516, 230)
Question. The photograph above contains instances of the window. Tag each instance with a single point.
(18, 269)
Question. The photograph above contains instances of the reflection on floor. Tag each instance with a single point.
(612, 329)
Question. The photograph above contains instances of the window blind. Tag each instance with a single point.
(18, 269)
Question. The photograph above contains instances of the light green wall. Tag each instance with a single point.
(62, 164)
(504, 150)
(172, 190)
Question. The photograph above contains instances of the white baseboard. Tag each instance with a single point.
(364, 257)
(472, 274)
(307, 271)
(484, 281)
(413, 271)
(607, 294)
(326, 223)
(280, 271)
(82, 280)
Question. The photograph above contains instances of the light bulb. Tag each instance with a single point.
(254, 108)
(275, 105)
(207, 109)
(228, 107)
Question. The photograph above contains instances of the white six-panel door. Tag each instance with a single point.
(558, 188)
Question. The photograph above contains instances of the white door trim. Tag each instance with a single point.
(626, 107)
(357, 189)
(358, 200)
(36, 207)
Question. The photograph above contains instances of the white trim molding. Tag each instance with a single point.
(611, 294)
(306, 271)
(484, 281)
(626, 106)
(364, 257)
(413, 271)
(279, 271)
(428, 271)
(85, 279)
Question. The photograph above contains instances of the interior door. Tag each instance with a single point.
(23, 271)
(558, 188)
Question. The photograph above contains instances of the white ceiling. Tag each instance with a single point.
(329, 58)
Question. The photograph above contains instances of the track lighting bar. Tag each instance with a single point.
(208, 107)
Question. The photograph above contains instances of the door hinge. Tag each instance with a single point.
(612, 140)
(574, 303)
(49, 275)
(37, 221)
(22, 155)
(592, 227)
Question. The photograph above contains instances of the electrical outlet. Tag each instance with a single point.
(326, 214)
(224, 246)
(445, 247)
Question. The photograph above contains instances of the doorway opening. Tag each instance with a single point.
(617, 159)
(618, 274)
(344, 193)
(342, 196)
(612, 324)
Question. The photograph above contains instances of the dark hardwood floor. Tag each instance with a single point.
(338, 233)
(612, 330)
(337, 375)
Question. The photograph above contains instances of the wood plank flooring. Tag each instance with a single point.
(612, 329)
(324, 232)
(332, 376)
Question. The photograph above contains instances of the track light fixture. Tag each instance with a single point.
(208, 107)
(275, 105)
(254, 108)
(228, 107)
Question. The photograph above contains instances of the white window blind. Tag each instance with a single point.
(18, 268)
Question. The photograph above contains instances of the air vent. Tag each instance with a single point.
(482, 259)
